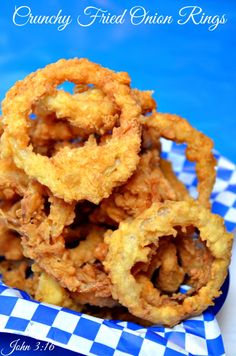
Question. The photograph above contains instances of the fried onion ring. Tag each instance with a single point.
(145, 186)
(91, 111)
(132, 243)
(170, 273)
(199, 148)
(87, 177)
(180, 190)
(46, 129)
(195, 260)
(44, 240)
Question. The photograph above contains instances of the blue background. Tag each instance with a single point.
(192, 70)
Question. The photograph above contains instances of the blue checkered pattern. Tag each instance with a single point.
(224, 194)
(93, 336)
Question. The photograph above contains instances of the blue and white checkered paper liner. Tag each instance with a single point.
(94, 336)
(223, 197)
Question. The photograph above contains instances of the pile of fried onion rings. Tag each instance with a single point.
(92, 217)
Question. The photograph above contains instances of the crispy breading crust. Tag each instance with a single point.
(10, 243)
(77, 182)
(95, 155)
(145, 186)
(131, 244)
(199, 148)
(90, 112)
